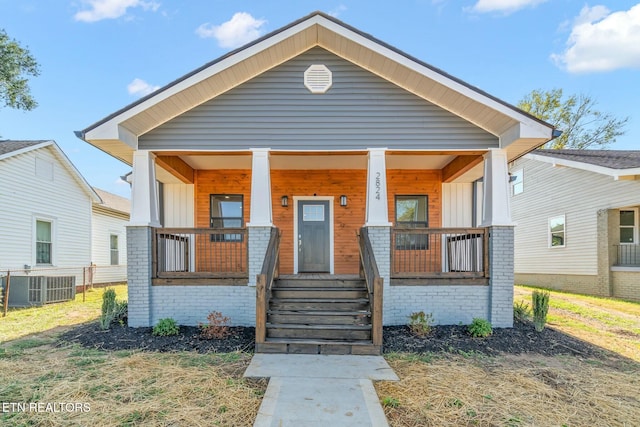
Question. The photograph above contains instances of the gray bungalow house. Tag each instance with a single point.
(577, 216)
(318, 183)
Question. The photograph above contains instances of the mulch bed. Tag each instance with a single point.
(521, 339)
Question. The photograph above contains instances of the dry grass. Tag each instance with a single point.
(605, 322)
(124, 388)
(511, 392)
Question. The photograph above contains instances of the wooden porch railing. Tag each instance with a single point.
(264, 282)
(199, 253)
(627, 255)
(369, 270)
(439, 253)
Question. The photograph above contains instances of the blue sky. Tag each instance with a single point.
(98, 56)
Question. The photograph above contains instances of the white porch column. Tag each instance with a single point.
(495, 201)
(260, 209)
(144, 190)
(377, 209)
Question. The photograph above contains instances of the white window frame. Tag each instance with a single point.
(635, 227)
(519, 174)
(54, 252)
(116, 250)
(550, 233)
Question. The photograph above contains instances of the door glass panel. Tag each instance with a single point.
(313, 213)
(627, 218)
(626, 235)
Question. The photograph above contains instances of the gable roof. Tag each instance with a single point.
(10, 148)
(615, 163)
(118, 133)
(114, 202)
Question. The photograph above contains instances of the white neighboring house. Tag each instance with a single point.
(45, 206)
(109, 237)
(54, 223)
(577, 215)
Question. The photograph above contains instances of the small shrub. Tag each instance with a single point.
(480, 328)
(390, 402)
(420, 323)
(540, 302)
(521, 312)
(166, 327)
(218, 326)
(108, 308)
(121, 312)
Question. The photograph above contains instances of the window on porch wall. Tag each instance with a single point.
(226, 212)
(412, 212)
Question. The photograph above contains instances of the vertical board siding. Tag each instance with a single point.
(275, 110)
(579, 195)
(178, 205)
(23, 196)
(457, 204)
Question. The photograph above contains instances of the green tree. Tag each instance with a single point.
(581, 124)
(16, 64)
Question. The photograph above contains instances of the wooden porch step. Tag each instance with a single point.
(320, 304)
(322, 292)
(317, 317)
(319, 283)
(330, 332)
(318, 346)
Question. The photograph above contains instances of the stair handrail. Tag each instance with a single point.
(264, 283)
(369, 270)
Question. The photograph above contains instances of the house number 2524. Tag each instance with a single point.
(378, 185)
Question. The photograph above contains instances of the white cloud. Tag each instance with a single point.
(111, 9)
(239, 30)
(337, 11)
(602, 41)
(140, 88)
(504, 6)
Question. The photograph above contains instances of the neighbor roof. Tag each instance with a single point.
(10, 148)
(612, 159)
(118, 133)
(113, 201)
(615, 163)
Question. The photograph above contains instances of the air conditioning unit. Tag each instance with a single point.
(25, 291)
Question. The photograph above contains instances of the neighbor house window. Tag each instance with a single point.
(43, 242)
(557, 232)
(113, 246)
(226, 212)
(412, 212)
(628, 226)
(517, 185)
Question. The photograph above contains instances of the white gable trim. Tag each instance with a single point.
(615, 173)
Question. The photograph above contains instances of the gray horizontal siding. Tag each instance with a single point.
(276, 110)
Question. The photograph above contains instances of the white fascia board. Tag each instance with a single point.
(615, 173)
(437, 77)
(26, 149)
(76, 173)
(109, 129)
(525, 131)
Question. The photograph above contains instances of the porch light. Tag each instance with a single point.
(285, 201)
(343, 200)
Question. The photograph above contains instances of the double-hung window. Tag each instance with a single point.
(113, 247)
(557, 232)
(412, 212)
(44, 242)
(628, 226)
(226, 212)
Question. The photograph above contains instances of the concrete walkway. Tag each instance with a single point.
(320, 390)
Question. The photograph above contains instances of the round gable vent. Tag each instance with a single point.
(318, 78)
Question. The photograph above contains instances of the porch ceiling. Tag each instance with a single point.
(118, 133)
